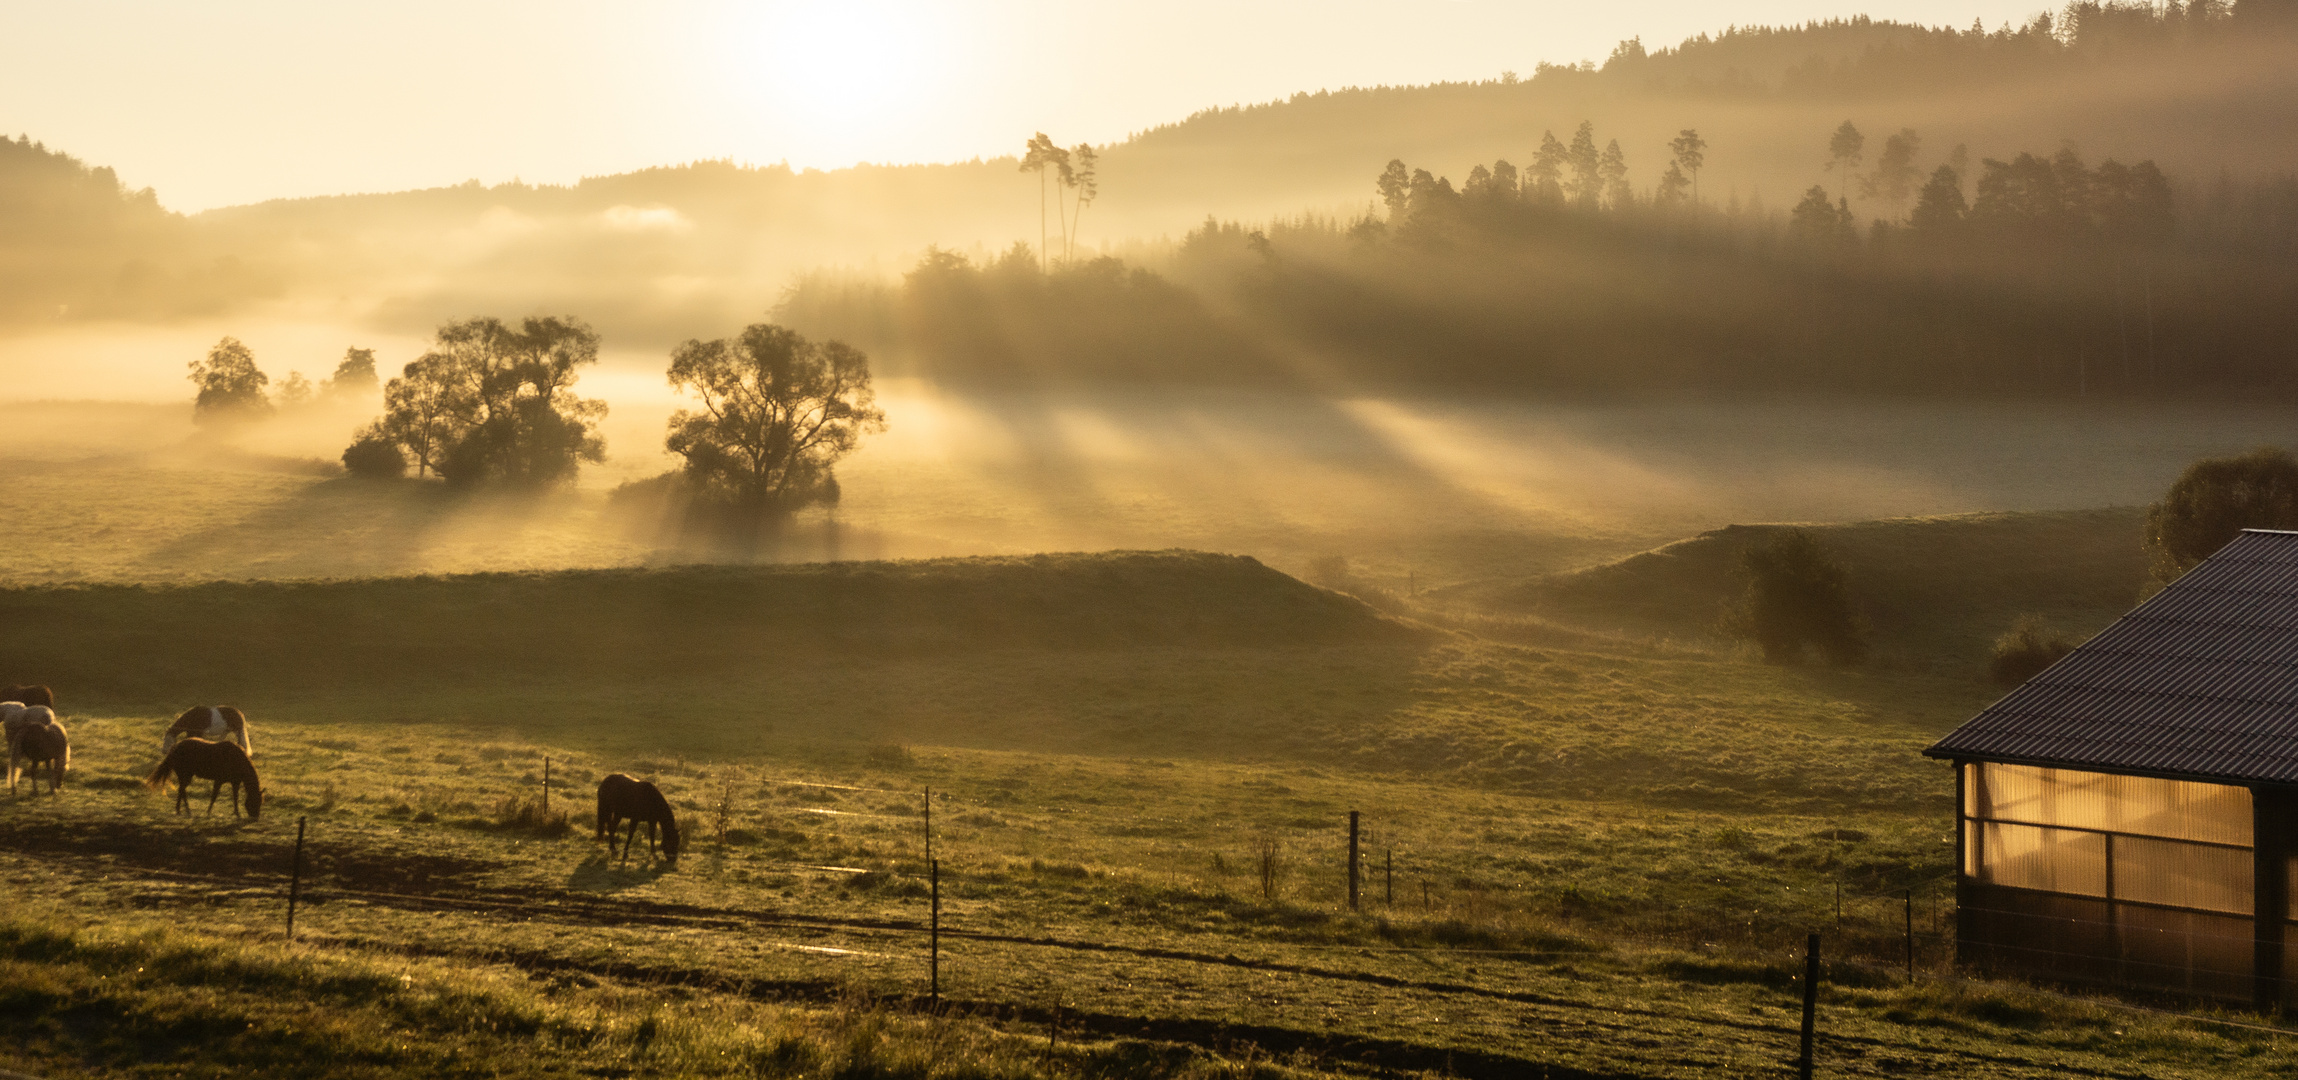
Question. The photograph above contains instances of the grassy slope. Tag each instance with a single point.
(1936, 589)
(1107, 778)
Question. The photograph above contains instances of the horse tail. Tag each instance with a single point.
(159, 777)
(235, 718)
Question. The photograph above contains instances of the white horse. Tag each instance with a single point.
(215, 723)
(35, 736)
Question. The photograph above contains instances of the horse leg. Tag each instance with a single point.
(629, 840)
(214, 788)
(235, 799)
(183, 794)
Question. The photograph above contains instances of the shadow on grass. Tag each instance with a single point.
(600, 874)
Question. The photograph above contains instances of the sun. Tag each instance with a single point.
(850, 77)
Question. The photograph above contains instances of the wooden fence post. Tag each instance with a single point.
(929, 825)
(934, 876)
(1910, 934)
(295, 877)
(1352, 863)
(546, 787)
(1803, 1064)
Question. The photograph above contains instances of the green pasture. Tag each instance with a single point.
(1595, 855)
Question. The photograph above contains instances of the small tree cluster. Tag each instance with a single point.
(231, 386)
(2213, 501)
(490, 403)
(1798, 597)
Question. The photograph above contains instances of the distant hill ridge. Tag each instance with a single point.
(1935, 588)
(136, 642)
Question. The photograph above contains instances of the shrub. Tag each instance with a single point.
(1798, 596)
(2023, 651)
(375, 458)
(2213, 501)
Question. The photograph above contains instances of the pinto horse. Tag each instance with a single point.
(36, 738)
(222, 762)
(621, 798)
(215, 723)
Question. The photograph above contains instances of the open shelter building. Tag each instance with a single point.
(2130, 815)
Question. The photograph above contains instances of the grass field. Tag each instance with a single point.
(1605, 849)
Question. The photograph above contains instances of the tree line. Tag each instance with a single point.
(2039, 273)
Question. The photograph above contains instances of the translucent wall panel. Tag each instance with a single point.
(2052, 860)
(2183, 875)
(2172, 809)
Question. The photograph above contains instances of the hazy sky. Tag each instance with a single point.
(228, 101)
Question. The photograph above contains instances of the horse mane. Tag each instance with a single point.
(668, 818)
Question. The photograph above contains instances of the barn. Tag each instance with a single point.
(2130, 815)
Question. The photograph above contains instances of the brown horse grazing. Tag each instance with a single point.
(626, 798)
(37, 739)
(215, 723)
(29, 695)
(222, 762)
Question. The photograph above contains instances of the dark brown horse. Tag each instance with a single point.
(29, 695)
(222, 762)
(626, 798)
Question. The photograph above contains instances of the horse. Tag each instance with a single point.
(215, 723)
(222, 762)
(622, 797)
(36, 738)
(29, 695)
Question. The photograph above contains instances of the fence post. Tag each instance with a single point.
(1910, 934)
(929, 824)
(1352, 865)
(295, 877)
(1810, 1002)
(934, 876)
(546, 787)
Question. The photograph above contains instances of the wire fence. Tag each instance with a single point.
(1879, 933)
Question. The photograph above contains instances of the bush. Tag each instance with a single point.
(1798, 596)
(2025, 650)
(2213, 501)
(375, 458)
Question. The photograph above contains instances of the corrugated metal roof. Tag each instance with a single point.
(2200, 682)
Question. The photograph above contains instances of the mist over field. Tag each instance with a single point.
(1392, 579)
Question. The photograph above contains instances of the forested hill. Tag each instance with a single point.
(661, 254)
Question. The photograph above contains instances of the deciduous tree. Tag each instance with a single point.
(230, 385)
(494, 404)
(2213, 501)
(777, 412)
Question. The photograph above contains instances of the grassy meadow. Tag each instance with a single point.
(1593, 854)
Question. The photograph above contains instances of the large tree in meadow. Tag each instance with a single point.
(778, 411)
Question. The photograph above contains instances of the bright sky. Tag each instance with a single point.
(230, 101)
